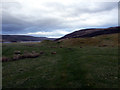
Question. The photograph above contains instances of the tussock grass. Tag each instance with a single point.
(17, 56)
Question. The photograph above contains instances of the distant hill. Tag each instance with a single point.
(92, 32)
(18, 38)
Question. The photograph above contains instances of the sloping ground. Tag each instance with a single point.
(71, 67)
(108, 40)
(91, 32)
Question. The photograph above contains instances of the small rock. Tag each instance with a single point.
(5, 59)
(17, 52)
(116, 77)
(53, 47)
(70, 48)
(20, 70)
(41, 52)
(16, 57)
(53, 52)
(112, 46)
(33, 52)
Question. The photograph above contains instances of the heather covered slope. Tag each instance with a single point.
(91, 32)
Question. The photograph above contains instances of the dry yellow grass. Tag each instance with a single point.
(109, 40)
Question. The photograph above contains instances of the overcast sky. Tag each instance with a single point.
(55, 18)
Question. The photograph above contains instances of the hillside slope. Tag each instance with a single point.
(108, 40)
(71, 67)
(91, 32)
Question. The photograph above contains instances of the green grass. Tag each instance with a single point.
(70, 67)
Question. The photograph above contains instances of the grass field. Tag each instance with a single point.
(74, 65)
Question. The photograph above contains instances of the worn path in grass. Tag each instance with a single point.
(70, 67)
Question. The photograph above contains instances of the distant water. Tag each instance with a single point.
(5, 42)
(28, 41)
(21, 42)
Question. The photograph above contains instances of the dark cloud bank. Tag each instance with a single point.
(53, 19)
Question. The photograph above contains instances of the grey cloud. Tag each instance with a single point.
(90, 8)
(56, 16)
(50, 23)
(16, 25)
(13, 5)
(8, 18)
(83, 7)
(12, 24)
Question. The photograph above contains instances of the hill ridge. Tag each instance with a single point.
(91, 32)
